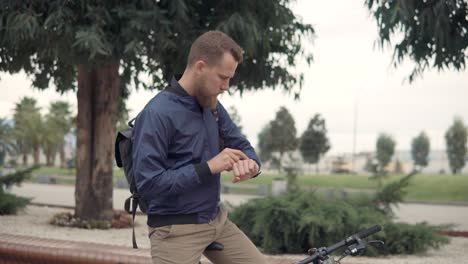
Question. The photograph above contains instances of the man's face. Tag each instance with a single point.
(214, 79)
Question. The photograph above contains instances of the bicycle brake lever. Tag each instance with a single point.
(375, 243)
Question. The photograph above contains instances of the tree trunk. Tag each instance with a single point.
(48, 159)
(36, 154)
(62, 155)
(280, 165)
(98, 91)
(53, 156)
(25, 157)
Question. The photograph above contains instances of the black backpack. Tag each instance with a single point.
(124, 159)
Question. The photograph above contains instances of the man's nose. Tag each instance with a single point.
(225, 86)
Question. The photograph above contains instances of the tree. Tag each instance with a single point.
(283, 133)
(234, 114)
(58, 123)
(433, 33)
(101, 48)
(314, 142)
(385, 148)
(28, 128)
(7, 141)
(265, 148)
(455, 139)
(420, 148)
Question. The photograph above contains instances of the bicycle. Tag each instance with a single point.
(355, 244)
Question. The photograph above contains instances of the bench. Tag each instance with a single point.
(46, 179)
(33, 250)
(26, 249)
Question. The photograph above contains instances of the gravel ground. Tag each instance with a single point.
(33, 221)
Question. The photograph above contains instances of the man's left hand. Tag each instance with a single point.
(244, 170)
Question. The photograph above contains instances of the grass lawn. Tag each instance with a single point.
(437, 188)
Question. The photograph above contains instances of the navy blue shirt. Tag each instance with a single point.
(173, 139)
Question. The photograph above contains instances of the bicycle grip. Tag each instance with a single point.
(367, 232)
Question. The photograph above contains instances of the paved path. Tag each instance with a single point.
(408, 212)
(65, 195)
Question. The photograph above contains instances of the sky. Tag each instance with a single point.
(351, 83)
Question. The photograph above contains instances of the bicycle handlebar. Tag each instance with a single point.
(345, 242)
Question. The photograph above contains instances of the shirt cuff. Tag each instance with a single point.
(203, 171)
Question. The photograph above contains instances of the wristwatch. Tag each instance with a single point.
(258, 173)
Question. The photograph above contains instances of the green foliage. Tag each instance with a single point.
(314, 142)
(9, 203)
(283, 132)
(393, 193)
(265, 143)
(385, 148)
(279, 136)
(57, 123)
(7, 141)
(150, 38)
(420, 148)
(28, 125)
(435, 32)
(236, 118)
(456, 138)
(405, 238)
(299, 221)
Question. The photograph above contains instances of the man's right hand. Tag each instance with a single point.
(225, 160)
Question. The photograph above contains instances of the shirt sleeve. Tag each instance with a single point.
(151, 138)
(232, 136)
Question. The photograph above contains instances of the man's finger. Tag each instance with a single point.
(233, 156)
(246, 168)
(229, 164)
(235, 168)
(239, 153)
(253, 166)
(240, 167)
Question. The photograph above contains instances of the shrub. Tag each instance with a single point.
(296, 222)
(9, 203)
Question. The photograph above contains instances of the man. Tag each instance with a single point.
(183, 140)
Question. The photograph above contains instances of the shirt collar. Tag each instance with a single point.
(176, 88)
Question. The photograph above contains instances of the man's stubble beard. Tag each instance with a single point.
(205, 101)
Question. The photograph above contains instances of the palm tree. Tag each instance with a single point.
(28, 128)
(58, 124)
(7, 142)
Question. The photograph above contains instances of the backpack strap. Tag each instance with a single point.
(132, 202)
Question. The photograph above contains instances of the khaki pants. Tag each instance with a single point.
(184, 244)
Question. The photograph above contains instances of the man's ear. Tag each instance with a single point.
(199, 66)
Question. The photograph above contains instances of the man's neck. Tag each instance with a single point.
(187, 84)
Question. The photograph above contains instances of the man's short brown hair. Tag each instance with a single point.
(211, 46)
